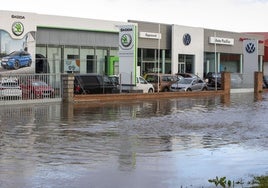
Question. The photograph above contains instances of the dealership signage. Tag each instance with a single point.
(18, 35)
(250, 52)
(17, 28)
(17, 16)
(127, 53)
(126, 40)
(219, 40)
(250, 59)
(149, 35)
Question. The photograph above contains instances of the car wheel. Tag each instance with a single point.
(16, 64)
(189, 89)
(150, 90)
(204, 89)
(29, 63)
(166, 89)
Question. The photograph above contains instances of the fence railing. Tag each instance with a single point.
(239, 81)
(20, 87)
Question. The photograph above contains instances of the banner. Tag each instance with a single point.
(250, 52)
(17, 42)
(127, 53)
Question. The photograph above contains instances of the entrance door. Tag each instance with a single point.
(186, 63)
(181, 67)
(90, 63)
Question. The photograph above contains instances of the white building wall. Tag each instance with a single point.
(7, 18)
(196, 47)
(78, 23)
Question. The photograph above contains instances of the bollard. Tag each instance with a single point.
(226, 82)
(258, 82)
(67, 87)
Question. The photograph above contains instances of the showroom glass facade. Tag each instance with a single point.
(225, 62)
(76, 51)
(76, 59)
(186, 63)
(149, 60)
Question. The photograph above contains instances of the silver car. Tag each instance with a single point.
(189, 84)
(9, 87)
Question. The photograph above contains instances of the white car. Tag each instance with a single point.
(189, 84)
(142, 84)
(9, 88)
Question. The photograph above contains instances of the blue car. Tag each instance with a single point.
(16, 59)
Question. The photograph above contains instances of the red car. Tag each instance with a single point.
(37, 89)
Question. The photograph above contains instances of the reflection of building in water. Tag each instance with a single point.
(29, 114)
(127, 153)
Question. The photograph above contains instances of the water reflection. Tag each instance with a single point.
(152, 143)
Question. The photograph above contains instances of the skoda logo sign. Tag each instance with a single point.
(186, 39)
(17, 28)
(126, 40)
(250, 48)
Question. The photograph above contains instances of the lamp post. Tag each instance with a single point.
(158, 58)
(215, 48)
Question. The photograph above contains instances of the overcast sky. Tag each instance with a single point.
(227, 15)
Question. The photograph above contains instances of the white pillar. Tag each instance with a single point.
(241, 64)
(261, 64)
(163, 61)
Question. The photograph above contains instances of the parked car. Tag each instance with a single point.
(236, 80)
(142, 84)
(9, 88)
(16, 59)
(265, 81)
(94, 84)
(114, 79)
(188, 75)
(211, 78)
(164, 81)
(34, 88)
(189, 84)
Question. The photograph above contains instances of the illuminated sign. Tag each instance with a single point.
(149, 35)
(223, 41)
(17, 28)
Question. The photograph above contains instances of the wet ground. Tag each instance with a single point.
(135, 144)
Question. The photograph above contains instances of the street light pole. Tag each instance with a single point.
(158, 58)
(215, 46)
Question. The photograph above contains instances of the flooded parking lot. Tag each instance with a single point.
(179, 142)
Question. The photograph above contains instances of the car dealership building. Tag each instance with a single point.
(81, 45)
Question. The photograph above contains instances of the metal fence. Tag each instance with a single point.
(18, 88)
(239, 81)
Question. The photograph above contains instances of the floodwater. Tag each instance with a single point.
(165, 143)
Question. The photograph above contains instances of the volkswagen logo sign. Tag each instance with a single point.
(186, 39)
(250, 48)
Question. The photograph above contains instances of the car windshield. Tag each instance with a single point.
(185, 81)
(107, 80)
(39, 83)
(15, 53)
(10, 84)
(151, 78)
(218, 75)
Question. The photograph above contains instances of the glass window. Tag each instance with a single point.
(87, 60)
(54, 59)
(71, 59)
(149, 54)
(100, 58)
